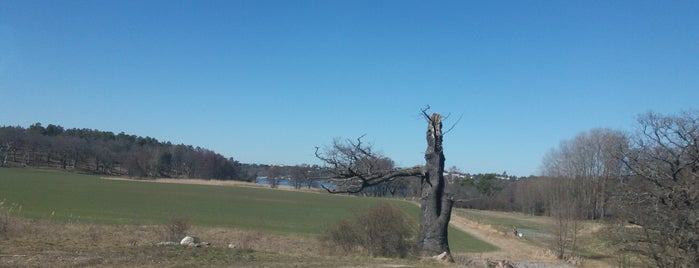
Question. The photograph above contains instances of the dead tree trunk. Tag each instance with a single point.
(354, 167)
(435, 203)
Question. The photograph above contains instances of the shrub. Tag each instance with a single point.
(383, 230)
(175, 229)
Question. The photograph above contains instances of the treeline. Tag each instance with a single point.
(486, 191)
(645, 182)
(103, 152)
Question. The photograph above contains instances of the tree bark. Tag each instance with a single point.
(435, 203)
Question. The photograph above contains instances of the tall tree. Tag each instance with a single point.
(592, 159)
(354, 167)
(662, 196)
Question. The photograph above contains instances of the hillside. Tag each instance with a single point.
(103, 152)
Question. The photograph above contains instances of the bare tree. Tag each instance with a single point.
(10, 138)
(592, 159)
(581, 175)
(355, 167)
(531, 196)
(662, 196)
(565, 207)
(299, 175)
(274, 176)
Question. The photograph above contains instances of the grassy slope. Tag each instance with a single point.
(69, 197)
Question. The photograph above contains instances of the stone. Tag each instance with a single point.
(189, 241)
(444, 256)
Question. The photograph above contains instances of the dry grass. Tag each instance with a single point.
(44, 243)
(7, 223)
(175, 229)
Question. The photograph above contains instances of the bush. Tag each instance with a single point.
(175, 229)
(383, 230)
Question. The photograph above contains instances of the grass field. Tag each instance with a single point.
(76, 198)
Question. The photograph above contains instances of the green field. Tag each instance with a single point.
(76, 198)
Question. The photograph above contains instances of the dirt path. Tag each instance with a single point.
(511, 248)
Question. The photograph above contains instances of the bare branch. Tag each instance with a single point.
(424, 111)
(443, 118)
(453, 125)
(357, 184)
(354, 166)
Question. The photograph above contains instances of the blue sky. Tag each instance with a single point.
(267, 81)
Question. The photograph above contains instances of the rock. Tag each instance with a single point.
(187, 240)
(500, 264)
(231, 245)
(193, 241)
(505, 264)
(444, 256)
(190, 241)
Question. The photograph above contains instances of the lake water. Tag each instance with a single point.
(316, 184)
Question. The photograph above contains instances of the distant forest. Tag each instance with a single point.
(103, 152)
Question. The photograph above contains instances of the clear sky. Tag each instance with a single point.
(267, 81)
